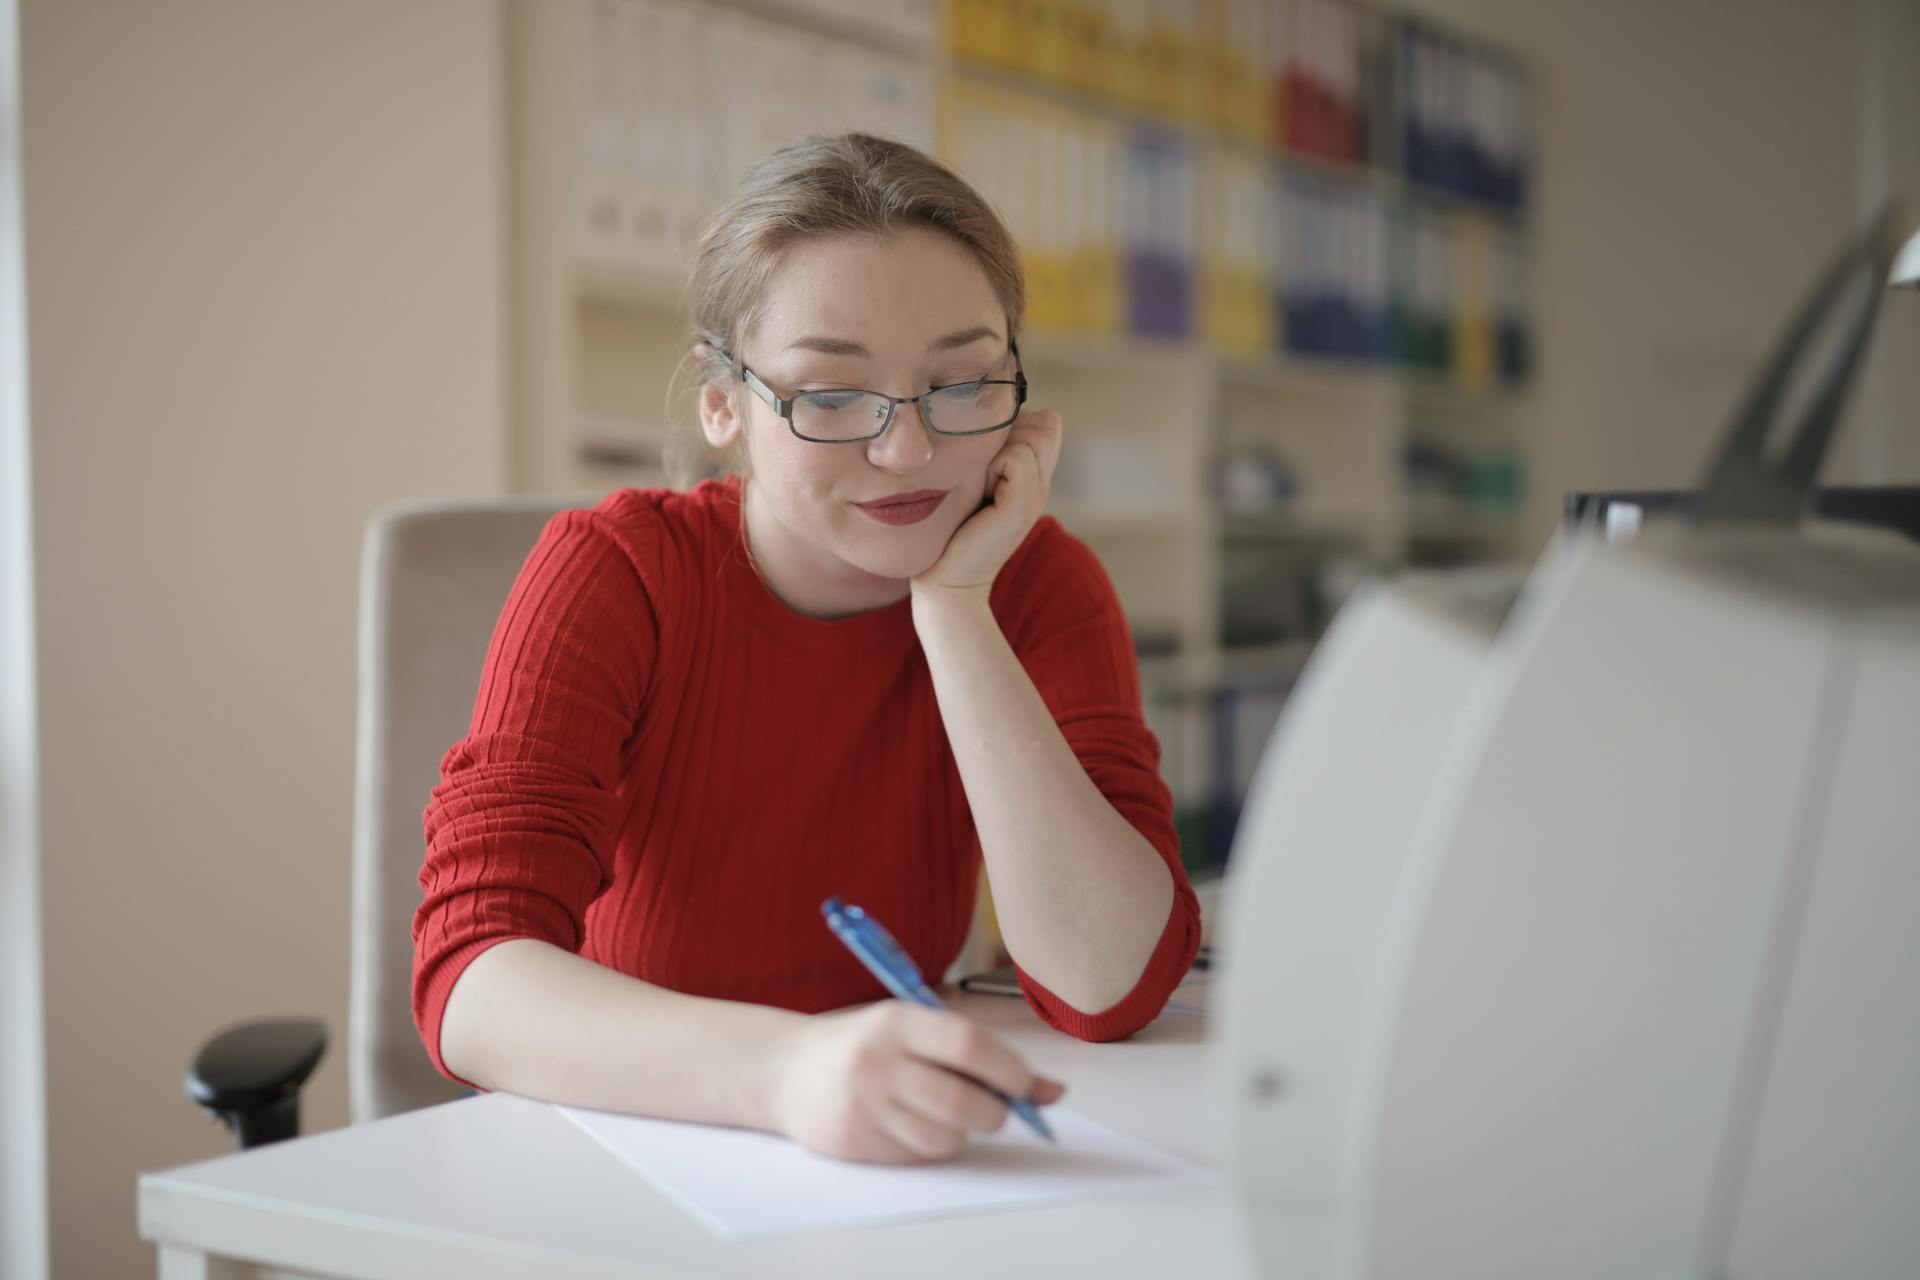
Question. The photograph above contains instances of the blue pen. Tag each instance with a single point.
(887, 961)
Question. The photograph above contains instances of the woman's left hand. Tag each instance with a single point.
(1016, 492)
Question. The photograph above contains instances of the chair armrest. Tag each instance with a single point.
(249, 1076)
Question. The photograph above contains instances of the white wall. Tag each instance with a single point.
(23, 1135)
(265, 243)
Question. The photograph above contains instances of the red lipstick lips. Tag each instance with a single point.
(904, 508)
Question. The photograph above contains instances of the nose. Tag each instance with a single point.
(905, 446)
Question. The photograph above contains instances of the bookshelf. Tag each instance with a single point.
(1327, 377)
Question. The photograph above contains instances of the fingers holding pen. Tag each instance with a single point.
(953, 1101)
(1046, 1091)
(959, 1046)
(923, 1137)
(895, 1083)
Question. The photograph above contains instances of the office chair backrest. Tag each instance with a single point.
(434, 576)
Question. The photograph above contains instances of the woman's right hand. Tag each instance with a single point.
(886, 1083)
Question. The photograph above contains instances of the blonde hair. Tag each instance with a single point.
(849, 184)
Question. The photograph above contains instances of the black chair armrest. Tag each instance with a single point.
(249, 1076)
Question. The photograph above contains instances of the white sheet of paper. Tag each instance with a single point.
(741, 1182)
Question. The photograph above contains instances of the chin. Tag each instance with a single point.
(897, 552)
(892, 562)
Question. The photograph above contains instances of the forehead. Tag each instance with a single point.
(898, 293)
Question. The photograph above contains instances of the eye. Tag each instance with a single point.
(829, 401)
(961, 390)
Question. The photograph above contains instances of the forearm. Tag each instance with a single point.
(1081, 897)
(530, 1018)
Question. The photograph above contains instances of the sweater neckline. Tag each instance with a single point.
(887, 627)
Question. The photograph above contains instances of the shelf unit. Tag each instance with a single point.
(595, 347)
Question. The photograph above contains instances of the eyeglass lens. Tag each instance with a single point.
(858, 415)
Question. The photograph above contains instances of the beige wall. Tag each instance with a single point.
(265, 263)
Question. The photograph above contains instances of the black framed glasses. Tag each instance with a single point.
(854, 416)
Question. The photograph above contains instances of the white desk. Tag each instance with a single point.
(499, 1186)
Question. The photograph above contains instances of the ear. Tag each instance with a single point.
(718, 422)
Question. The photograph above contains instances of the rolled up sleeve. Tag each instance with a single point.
(1078, 650)
(520, 828)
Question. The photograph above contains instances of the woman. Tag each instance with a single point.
(856, 667)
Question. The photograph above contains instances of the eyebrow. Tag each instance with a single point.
(847, 347)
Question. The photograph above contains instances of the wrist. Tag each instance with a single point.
(946, 606)
(778, 1068)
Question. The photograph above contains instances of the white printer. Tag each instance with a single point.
(1573, 925)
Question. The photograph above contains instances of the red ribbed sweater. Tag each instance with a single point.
(668, 770)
